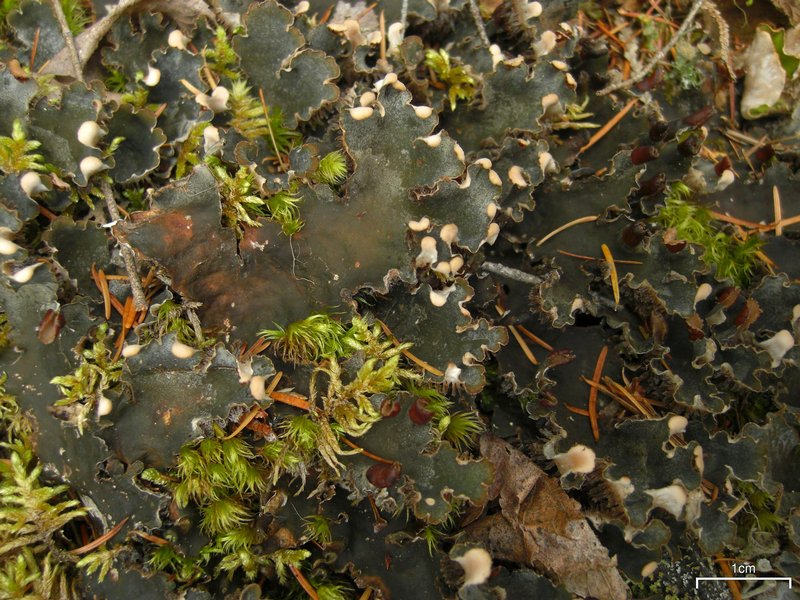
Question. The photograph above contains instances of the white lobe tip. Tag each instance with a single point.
(421, 225)
(439, 298)
(91, 165)
(423, 112)
(258, 388)
(703, 291)
(778, 345)
(516, 177)
(367, 98)
(534, 9)
(153, 77)
(32, 184)
(177, 39)
(491, 233)
(725, 179)
(180, 350)
(497, 55)
(477, 565)
(217, 102)
(452, 374)
(131, 350)
(547, 163)
(361, 112)
(549, 100)
(104, 406)
(7, 247)
(442, 267)
(546, 43)
(212, 144)
(578, 459)
(459, 152)
(677, 424)
(428, 254)
(449, 233)
(433, 140)
(25, 274)
(89, 133)
(649, 569)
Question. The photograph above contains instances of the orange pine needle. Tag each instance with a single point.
(736, 592)
(159, 541)
(576, 410)
(584, 257)
(565, 226)
(600, 133)
(295, 400)
(326, 15)
(128, 314)
(101, 540)
(304, 583)
(416, 360)
(367, 453)
(776, 204)
(101, 281)
(366, 11)
(613, 272)
(525, 349)
(598, 371)
(34, 48)
(254, 412)
(534, 338)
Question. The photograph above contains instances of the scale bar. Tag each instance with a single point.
(697, 580)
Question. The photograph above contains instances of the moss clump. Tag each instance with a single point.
(734, 258)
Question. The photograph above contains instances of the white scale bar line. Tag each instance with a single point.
(697, 580)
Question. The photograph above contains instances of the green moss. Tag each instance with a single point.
(460, 84)
(96, 374)
(332, 169)
(16, 152)
(733, 258)
(311, 339)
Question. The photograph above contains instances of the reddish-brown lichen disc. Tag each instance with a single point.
(383, 475)
(419, 412)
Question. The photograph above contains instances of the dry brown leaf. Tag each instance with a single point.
(541, 526)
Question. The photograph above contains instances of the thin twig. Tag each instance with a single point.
(683, 30)
(476, 16)
(511, 273)
(68, 39)
(403, 18)
(127, 254)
